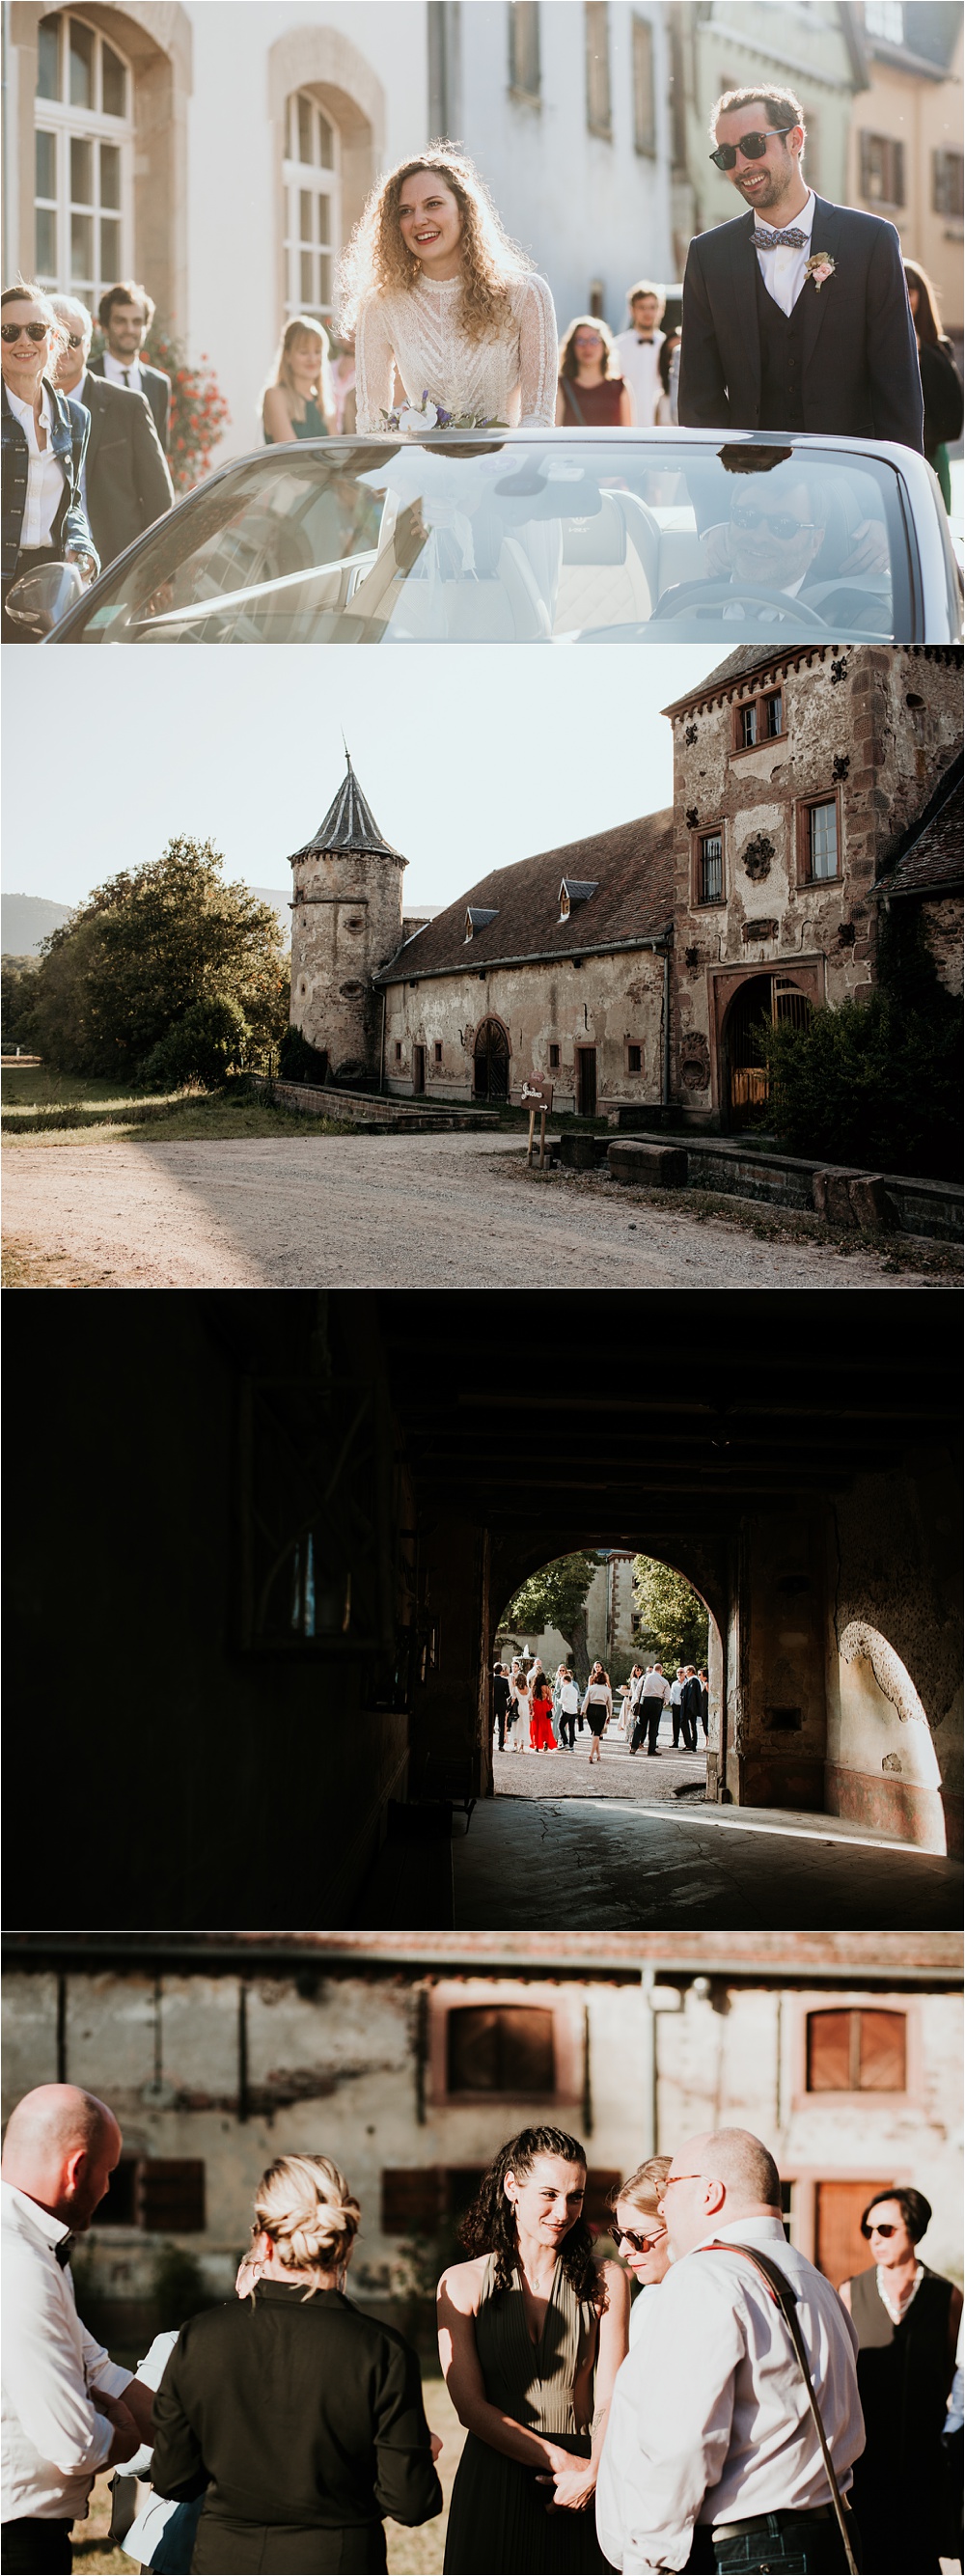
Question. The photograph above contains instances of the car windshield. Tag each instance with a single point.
(556, 540)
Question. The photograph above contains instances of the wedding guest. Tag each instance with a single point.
(304, 2415)
(44, 437)
(907, 2320)
(297, 400)
(639, 350)
(500, 1703)
(591, 394)
(125, 480)
(639, 2231)
(541, 1736)
(665, 415)
(941, 383)
(68, 2410)
(795, 316)
(532, 2331)
(125, 315)
(434, 290)
(597, 1707)
(569, 1710)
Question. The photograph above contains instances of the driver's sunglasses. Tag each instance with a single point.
(639, 2244)
(10, 331)
(75, 339)
(875, 2230)
(743, 515)
(753, 147)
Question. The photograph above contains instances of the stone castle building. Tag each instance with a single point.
(632, 969)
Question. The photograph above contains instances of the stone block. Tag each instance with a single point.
(664, 1166)
(872, 1211)
(830, 1189)
(579, 1153)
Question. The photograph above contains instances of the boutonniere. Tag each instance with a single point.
(819, 267)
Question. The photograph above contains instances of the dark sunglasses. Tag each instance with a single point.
(640, 2244)
(753, 147)
(10, 331)
(875, 2230)
(743, 515)
(75, 339)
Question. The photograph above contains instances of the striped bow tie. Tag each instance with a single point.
(791, 239)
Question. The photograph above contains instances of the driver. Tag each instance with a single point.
(774, 539)
(774, 536)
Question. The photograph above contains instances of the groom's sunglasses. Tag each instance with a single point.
(744, 515)
(753, 147)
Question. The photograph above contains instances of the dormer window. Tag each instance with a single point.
(477, 918)
(574, 890)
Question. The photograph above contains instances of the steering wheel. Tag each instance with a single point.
(693, 595)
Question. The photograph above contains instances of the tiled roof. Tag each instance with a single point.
(349, 825)
(928, 857)
(632, 866)
(933, 1958)
(748, 657)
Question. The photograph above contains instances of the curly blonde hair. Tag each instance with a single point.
(376, 260)
(304, 2205)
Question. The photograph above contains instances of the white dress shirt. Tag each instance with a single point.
(709, 2419)
(640, 369)
(53, 2439)
(655, 1686)
(783, 270)
(45, 473)
(117, 374)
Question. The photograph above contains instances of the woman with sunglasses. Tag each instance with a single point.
(639, 2233)
(907, 2319)
(44, 438)
(532, 2331)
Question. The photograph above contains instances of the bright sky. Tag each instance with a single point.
(469, 757)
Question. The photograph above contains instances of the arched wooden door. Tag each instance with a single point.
(491, 1062)
(763, 1002)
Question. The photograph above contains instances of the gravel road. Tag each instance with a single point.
(369, 1212)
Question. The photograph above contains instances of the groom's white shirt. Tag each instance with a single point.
(54, 2441)
(709, 2419)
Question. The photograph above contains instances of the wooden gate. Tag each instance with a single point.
(764, 1001)
(491, 1062)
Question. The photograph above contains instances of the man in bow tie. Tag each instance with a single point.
(638, 350)
(796, 316)
(68, 2410)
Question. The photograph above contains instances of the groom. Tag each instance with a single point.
(796, 316)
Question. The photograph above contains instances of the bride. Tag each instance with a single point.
(436, 293)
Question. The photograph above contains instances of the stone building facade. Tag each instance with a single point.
(410, 2058)
(633, 969)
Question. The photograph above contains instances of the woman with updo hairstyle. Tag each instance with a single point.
(906, 2319)
(532, 2331)
(437, 294)
(639, 2231)
(301, 2416)
(297, 401)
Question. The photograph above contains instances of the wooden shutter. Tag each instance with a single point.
(500, 2048)
(170, 2195)
(412, 2197)
(856, 2051)
(829, 2052)
(881, 2052)
(839, 2247)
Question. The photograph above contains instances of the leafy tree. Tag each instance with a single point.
(208, 1043)
(17, 986)
(554, 1598)
(673, 1618)
(146, 949)
(875, 1081)
(298, 1061)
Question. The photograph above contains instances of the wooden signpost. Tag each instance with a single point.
(537, 1095)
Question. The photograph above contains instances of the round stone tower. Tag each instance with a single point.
(346, 923)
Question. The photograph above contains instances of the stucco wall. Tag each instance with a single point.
(605, 1003)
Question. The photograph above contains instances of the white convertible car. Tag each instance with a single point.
(537, 537)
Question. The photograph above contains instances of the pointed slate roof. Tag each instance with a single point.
(349, 825)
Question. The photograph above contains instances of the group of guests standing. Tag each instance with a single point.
(278, 2430)
(531, 1711)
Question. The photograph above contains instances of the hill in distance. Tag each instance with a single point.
(27, 919)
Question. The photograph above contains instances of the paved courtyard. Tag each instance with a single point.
(618, 1774)
(366, 1212)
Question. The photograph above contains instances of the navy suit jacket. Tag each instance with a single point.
(860, 376)
(157, 392)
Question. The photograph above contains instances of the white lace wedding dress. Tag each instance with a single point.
(416, 331)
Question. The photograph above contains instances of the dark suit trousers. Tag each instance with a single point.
(648, 1724)
(32, 2547)
(225, 2547)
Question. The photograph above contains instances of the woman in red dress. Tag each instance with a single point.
(541, 1736)
(591, 395)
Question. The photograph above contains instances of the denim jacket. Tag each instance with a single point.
(68, 439)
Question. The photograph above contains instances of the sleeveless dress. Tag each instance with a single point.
(314, 425)
(418, 330)
(498, 2523)
(903, 2377)
(592, 406)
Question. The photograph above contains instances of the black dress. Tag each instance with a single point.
(904, 2373)
(304, 2420)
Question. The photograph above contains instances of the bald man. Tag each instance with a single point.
(67, 2410)
(712, 2460)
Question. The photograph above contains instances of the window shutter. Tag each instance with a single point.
(170, 2195)
(829, 2052)
(881, 2060)
(500, 2048)
(411, 2200)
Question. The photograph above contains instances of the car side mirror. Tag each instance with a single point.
(39, 600)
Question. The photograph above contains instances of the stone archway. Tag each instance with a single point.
(490, 1061)
(155, 36)
(760, 1002)
(326, 64)
(880, 1748)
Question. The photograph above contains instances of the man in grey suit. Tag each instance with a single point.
(125, 315)
(125, 478)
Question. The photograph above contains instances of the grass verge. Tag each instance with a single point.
(42, 1107)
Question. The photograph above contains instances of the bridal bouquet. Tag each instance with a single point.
(430, 415)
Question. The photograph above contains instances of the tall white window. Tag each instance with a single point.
(84, 146)
(312, 208)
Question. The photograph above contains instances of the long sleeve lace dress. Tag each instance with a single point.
(417, 331)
